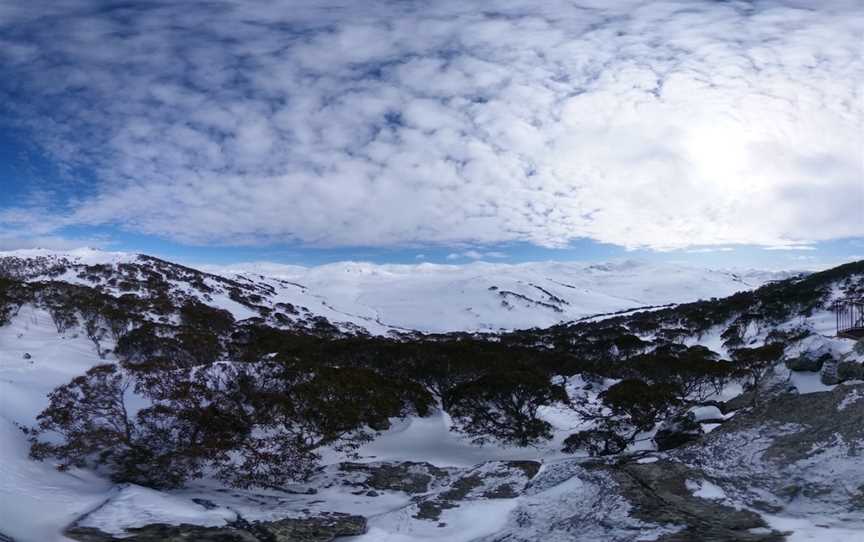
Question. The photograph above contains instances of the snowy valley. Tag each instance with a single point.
(636, 402)
(429, 298)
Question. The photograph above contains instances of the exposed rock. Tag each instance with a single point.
(677, 431)
(857, 500)
(799, 426)
(738, 402)
(850, 370)
(796, 454)
(323, 528)
(318, 529)
(164, 533)
(808, 361)
(828, 375)
(409, 477)
(658, 493)
(571, 501)
(490, 480)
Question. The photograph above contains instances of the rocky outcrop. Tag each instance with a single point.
(808, 361)
(850, 370)
(163, 533)
(409, 477)
(491, 480)
(659, 493)
(323, 528)
(797, 456)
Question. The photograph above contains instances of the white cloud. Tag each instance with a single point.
(476, 255)
(706, 250)
(50, 242)
(637, 123)
(789, 247)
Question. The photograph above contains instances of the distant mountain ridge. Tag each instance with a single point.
(429, 298)
(485, 297)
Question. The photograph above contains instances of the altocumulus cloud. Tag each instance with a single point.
(644, 124)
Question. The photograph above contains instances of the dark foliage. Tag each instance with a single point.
(503, 407)
(273, 415)
(754, 364)
(203, 317)
(697, 372)
(597, 442)
(642, 404)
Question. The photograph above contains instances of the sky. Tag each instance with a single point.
(709, 132)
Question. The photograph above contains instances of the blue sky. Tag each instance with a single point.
(721, 134)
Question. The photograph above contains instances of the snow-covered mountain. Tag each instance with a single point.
(748, 474)
(489, 296)
(433, 298)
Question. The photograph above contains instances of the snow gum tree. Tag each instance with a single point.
(753, 365)
(626, 409)
(254, 424)
(504, 407)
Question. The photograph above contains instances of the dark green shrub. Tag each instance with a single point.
(200, 316)
(597, 442)
(641, 403)
(503, 407)
(753, 365)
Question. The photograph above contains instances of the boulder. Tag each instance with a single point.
(677, 431)
(808, 362)
(850, 370)
(829, 373)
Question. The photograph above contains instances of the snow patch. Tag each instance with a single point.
(811, 530)
(136, 506)
(707, 413)
(469, 521)
(705, 490)
(807, 382)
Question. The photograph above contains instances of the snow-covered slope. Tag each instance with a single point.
(489, 297)
(429, 298)
(464, 497)
(36, 500)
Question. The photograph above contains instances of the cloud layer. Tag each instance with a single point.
(644, 124)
